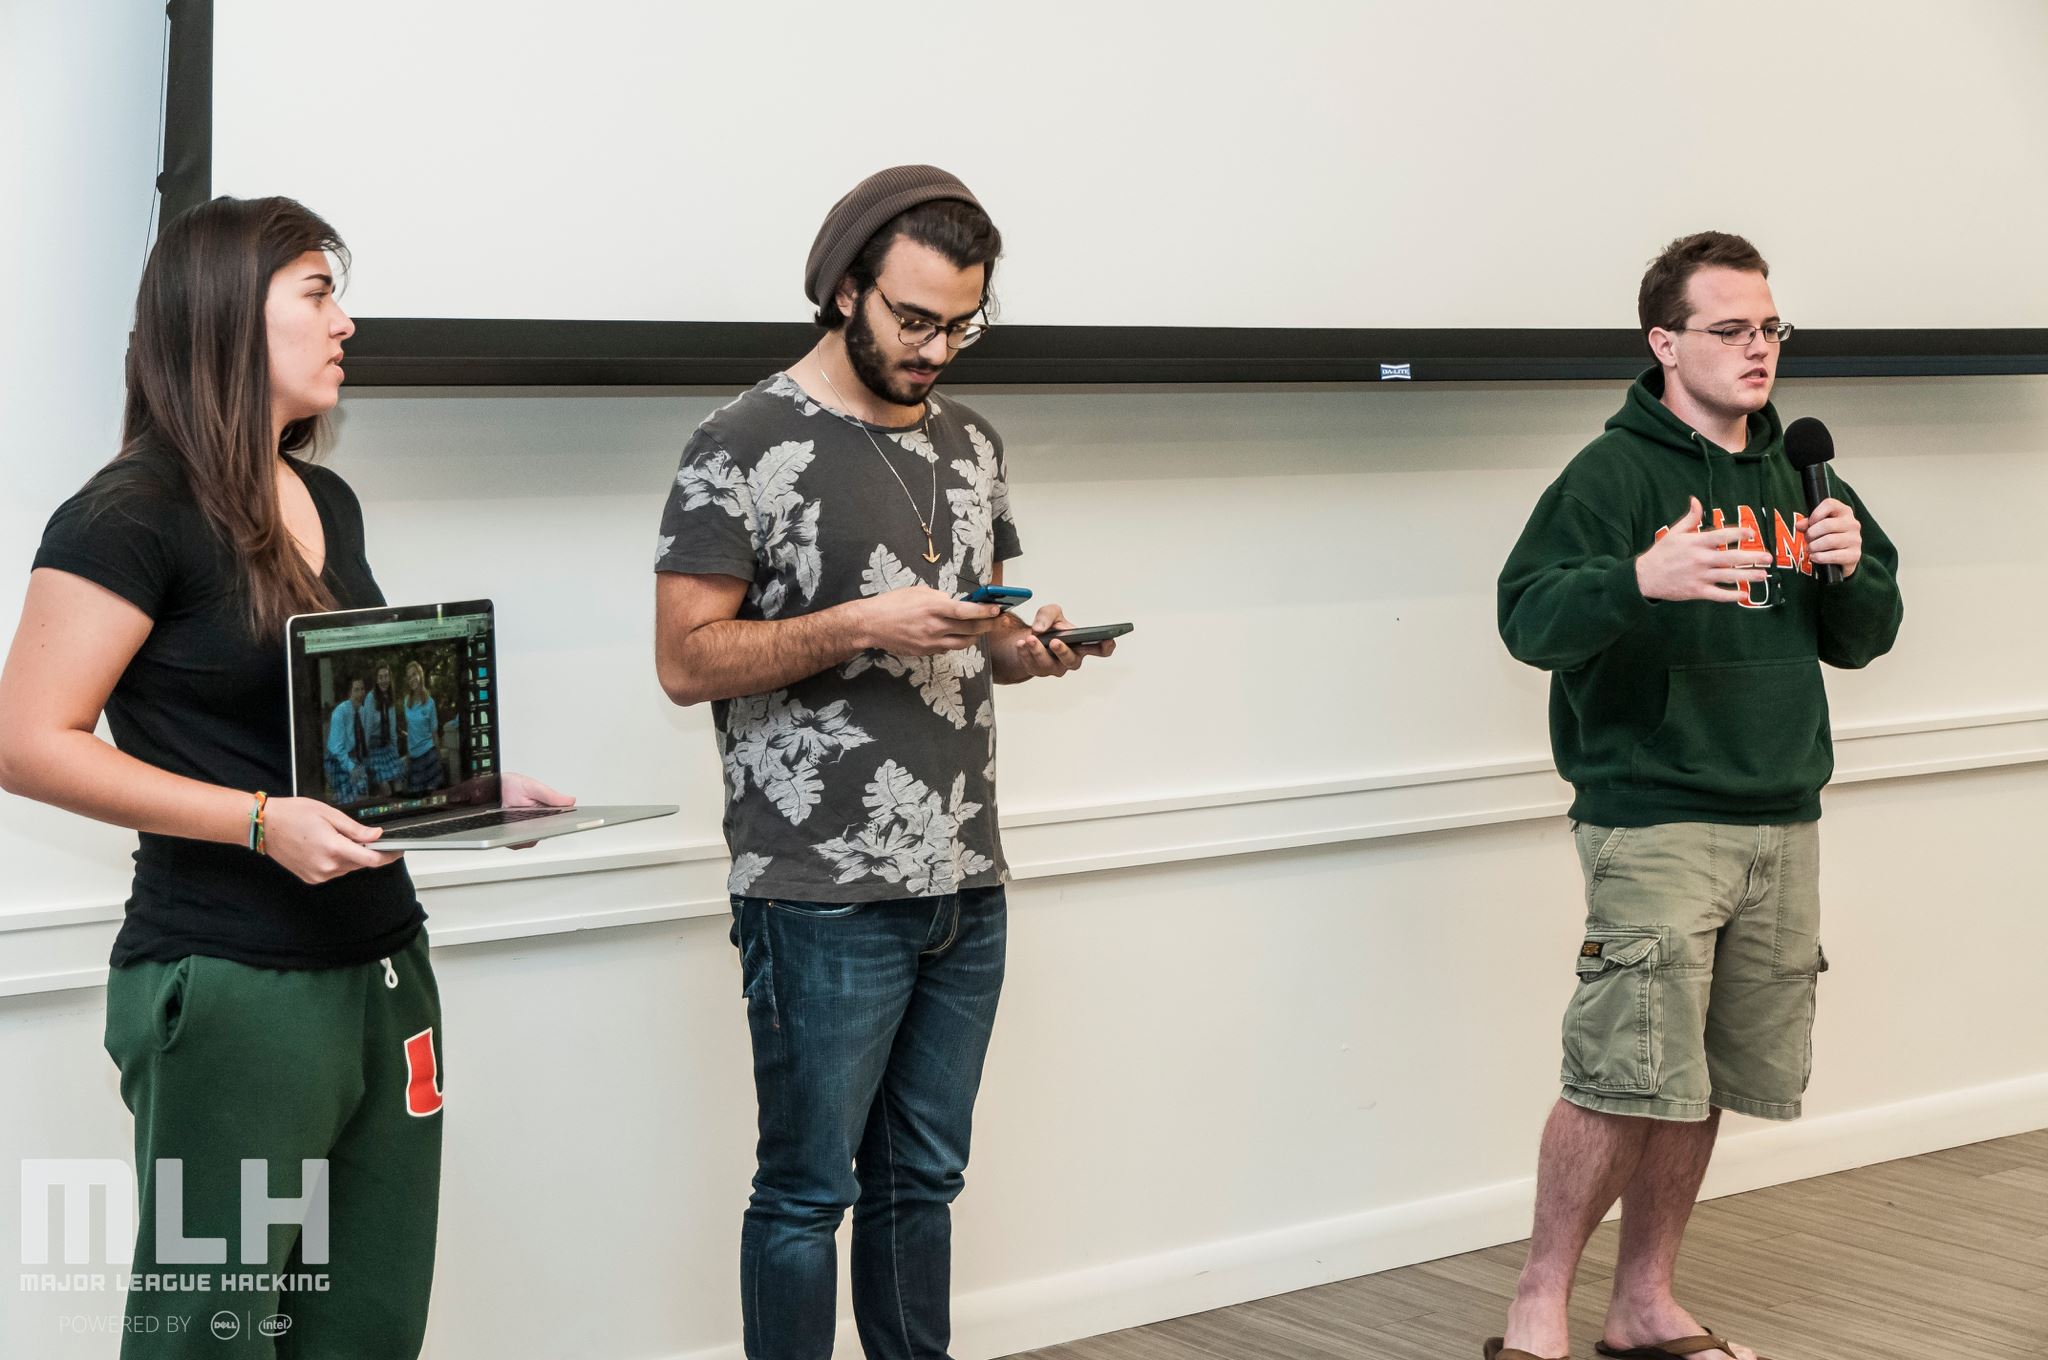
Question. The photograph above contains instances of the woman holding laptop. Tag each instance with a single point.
(270, 997)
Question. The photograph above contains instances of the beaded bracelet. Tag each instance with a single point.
(256, 822)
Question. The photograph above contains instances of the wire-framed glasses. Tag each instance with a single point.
(917, 331)
(1776, 332)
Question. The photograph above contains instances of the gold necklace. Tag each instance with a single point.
(924, 522)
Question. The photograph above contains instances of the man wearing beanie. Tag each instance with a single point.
(1673, 584)
(814, 550)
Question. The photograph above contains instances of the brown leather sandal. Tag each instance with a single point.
(1676, 1349)
(1497, 1349)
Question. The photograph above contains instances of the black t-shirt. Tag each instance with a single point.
(205, 699)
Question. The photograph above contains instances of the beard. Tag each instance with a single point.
(874, 368)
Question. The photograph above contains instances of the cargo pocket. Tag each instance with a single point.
(1820, 965)
(1611, 1038)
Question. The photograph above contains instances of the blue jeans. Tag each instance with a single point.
(870, 1022)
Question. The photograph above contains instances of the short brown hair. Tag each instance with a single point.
(1661, 300)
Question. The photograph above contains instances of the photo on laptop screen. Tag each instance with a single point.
(406, 705)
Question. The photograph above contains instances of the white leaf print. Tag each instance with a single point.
(782, 385)
(785, 526)
(917, 442)
(985, 716)
(711, 479)
(885, 572)
(796, 793)
(774, 477)
(910, 837)
(767, 599)
(810, 564)
(782, 745)
(746, 867)
(958, 806)
(938, 677)
(973, 507)
(894, 793)
(662, 544)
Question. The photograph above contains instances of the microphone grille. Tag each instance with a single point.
(1808, 442)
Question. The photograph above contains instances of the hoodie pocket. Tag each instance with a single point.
(1752, 729)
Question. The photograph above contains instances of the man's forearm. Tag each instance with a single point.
(736, 657)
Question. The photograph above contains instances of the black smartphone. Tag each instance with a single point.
(1082, 636)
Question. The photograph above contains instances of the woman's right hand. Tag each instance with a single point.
(319, 843)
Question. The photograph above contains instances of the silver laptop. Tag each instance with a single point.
(394, 717)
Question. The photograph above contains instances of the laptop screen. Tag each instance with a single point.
(395, 710)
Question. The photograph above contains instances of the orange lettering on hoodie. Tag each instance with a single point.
(1792, 543)
(1752, 541)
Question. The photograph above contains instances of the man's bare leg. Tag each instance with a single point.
(1655, 1207)
(1586, 1161)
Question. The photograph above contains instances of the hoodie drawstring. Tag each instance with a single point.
(1706, 456)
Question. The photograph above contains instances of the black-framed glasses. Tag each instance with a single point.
(917, 331)
(1776, 332)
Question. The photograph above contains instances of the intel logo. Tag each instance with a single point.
(226, 1326)
(277, 1324)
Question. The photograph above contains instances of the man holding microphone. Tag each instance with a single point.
(1672, 581)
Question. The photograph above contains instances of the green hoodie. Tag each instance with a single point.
(1688, 711)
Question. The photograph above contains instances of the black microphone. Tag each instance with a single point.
(1810, 448)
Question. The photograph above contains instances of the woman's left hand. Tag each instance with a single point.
(522, 790)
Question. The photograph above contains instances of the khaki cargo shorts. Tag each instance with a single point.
(1698, 970)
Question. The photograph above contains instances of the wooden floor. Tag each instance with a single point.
(1942, 1256)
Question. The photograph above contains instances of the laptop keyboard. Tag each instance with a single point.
(482, 821)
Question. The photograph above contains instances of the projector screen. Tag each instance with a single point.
(1232, 186)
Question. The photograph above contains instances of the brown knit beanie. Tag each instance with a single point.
(865, 210)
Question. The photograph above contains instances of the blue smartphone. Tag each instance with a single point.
(1006, 596)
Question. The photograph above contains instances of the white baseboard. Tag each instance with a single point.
(1045, 1312)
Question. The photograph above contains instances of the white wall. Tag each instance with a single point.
(1592, 132)
(1296, 911)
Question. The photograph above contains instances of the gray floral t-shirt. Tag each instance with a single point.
(874, 779)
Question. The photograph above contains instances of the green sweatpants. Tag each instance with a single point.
(224, 1064)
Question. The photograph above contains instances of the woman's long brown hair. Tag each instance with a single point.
(199, 386)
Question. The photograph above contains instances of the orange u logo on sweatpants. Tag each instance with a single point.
(422, 1075)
